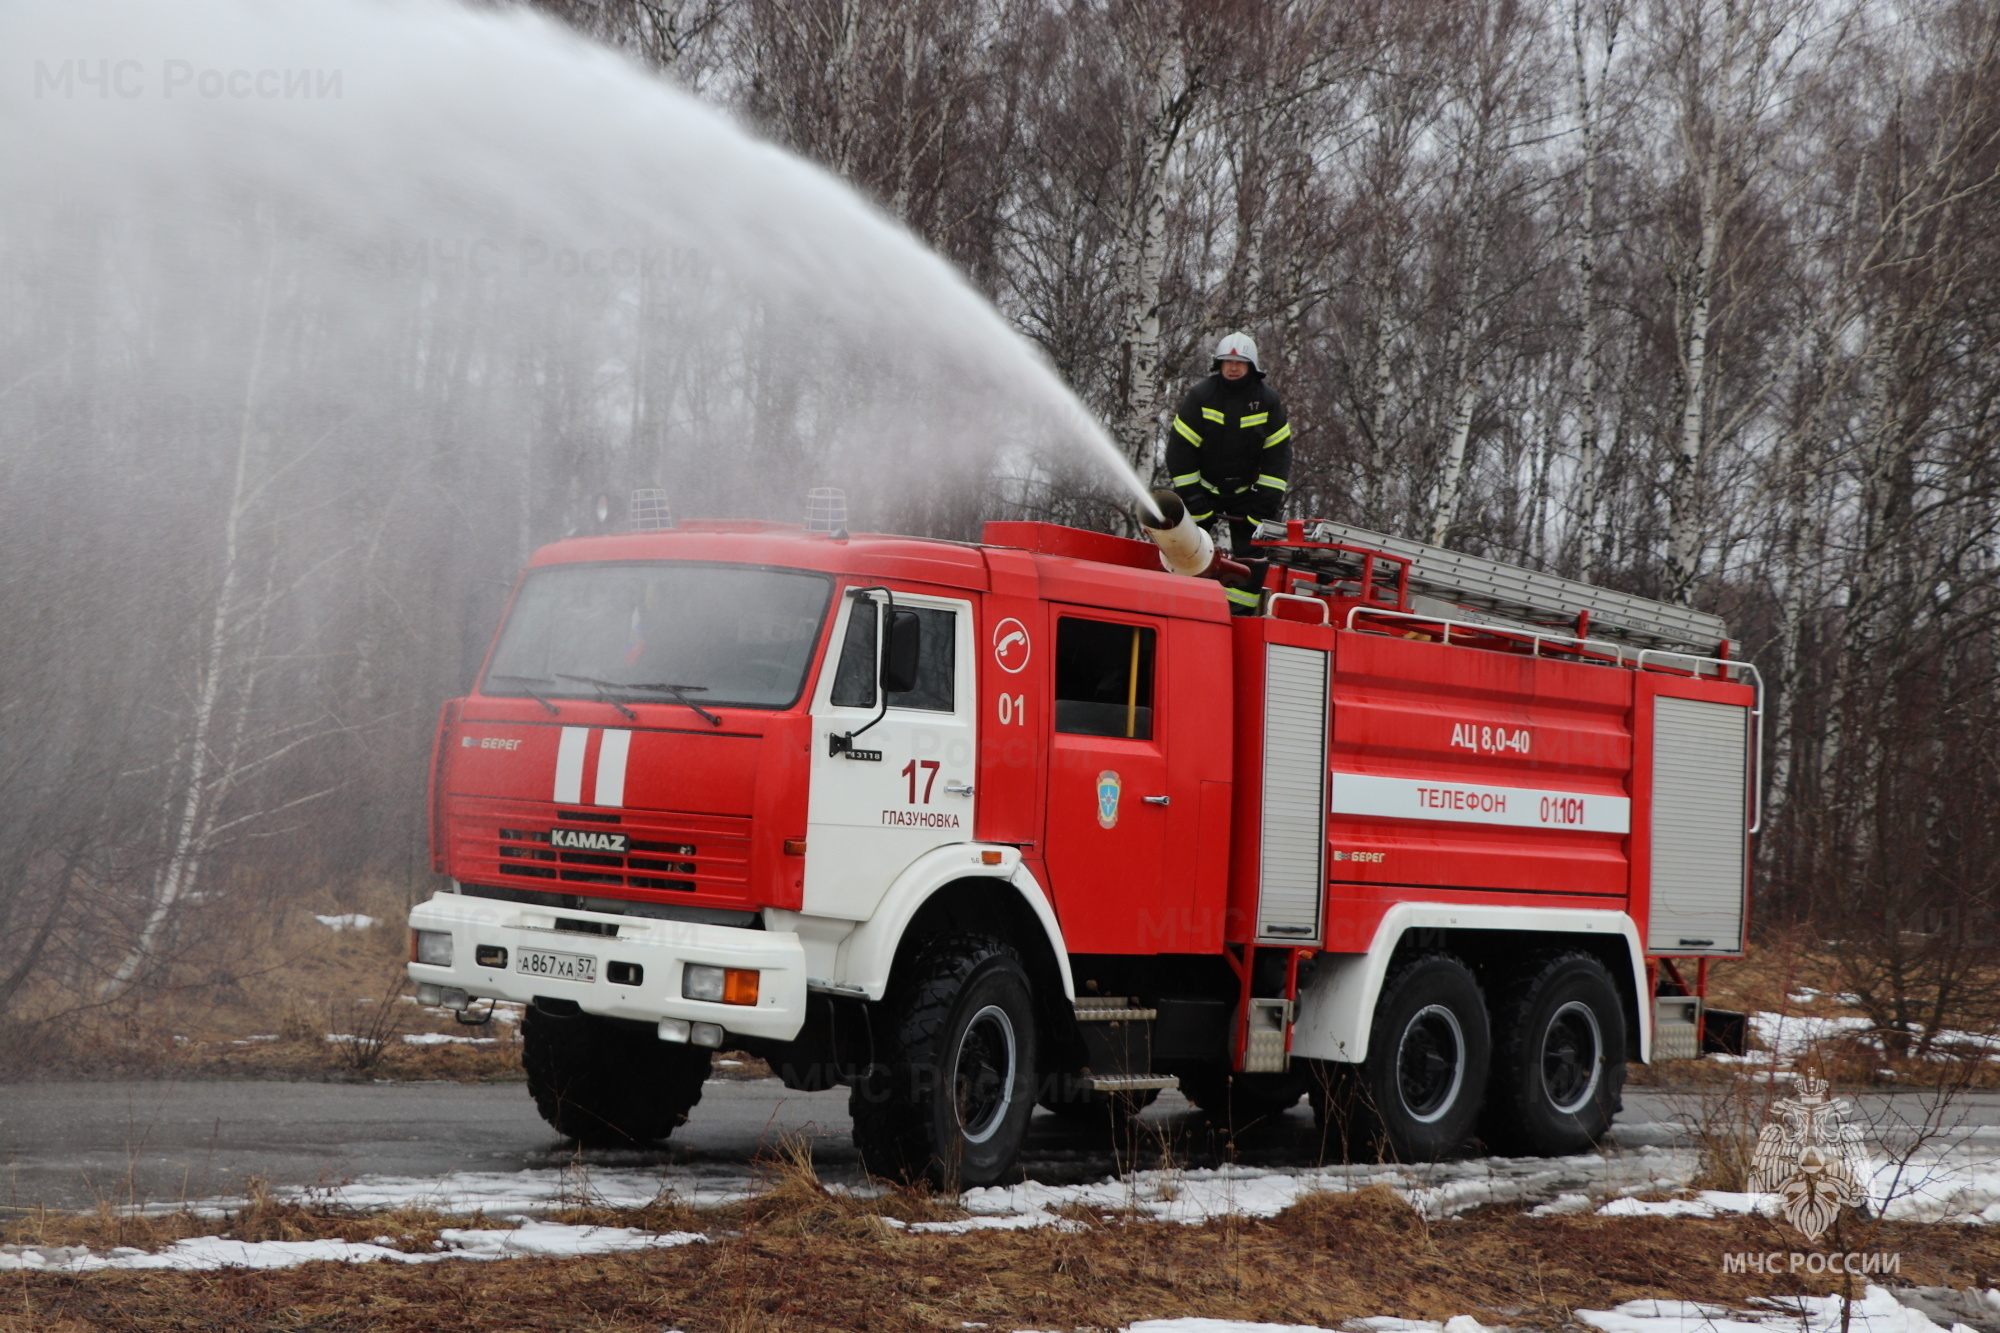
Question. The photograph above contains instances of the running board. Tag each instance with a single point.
(1133, 1082)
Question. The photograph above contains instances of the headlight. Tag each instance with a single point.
(719, 985)
(431, 947)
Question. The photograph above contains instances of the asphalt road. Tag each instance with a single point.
(79, 1144)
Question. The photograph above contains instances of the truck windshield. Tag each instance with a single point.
(732, 635)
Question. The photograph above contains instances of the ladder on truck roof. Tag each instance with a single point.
(1502, 589)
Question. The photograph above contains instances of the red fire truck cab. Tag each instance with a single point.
(969, 828)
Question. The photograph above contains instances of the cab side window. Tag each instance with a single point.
(1104, 679)
(855, 674)
(854, 677)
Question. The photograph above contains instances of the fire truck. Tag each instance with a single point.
(1434, 841)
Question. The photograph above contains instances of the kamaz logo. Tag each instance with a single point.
(584, 840)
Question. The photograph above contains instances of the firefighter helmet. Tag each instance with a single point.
(1237, 347)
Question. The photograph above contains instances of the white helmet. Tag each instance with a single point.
(1237, 347)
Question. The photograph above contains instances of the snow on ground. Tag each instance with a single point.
(1787, 1038)
(1878, 1311)
(530, 1238)
(346, 921)
(1195, 1196)
(1961, 1186)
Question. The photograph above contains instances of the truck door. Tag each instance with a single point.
(1108, 819)
(904, 784)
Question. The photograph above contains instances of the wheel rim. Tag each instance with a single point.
(1572, 1057)
(982, 1078)
(1430, 1063)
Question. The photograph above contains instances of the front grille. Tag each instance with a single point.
(517, 846)
(509, 841)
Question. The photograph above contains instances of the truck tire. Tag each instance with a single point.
(1559, 1064)
(1243, 1101)
(1428, 1054)
(951, 1100)
(607, 1084)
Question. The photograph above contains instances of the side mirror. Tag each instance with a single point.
(899, 652)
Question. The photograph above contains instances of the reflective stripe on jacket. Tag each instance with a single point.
(1230, 451)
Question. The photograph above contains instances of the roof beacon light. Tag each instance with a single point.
(826, 511)
(649, 511)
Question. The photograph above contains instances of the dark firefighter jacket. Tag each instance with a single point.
(1231, 450)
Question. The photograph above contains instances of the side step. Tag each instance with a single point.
(1118, 1044)
(1133, 1082)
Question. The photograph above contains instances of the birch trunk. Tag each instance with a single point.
(194, 804)
(1168, 95)
(1592, 466)
(1684, 530)
(1463, 355)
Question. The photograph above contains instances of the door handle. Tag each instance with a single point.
(959, 788)
(1156, 800)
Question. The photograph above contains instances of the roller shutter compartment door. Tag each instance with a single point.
(1292, 883)
(1701, 759)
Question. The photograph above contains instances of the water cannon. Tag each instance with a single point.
(826, 511)
(1186, 548)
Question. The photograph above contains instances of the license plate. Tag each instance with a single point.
(561, 966)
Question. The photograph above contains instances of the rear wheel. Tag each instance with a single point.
(608, 1084)
(1559, 1066)
(951, 1102)
(1428, 1054)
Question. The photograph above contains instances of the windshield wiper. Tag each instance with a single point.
(553, 710)
(601, 686)
(679, 693)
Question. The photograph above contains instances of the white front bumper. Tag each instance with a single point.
(661, 948)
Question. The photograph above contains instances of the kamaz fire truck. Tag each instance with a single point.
(1438, 842)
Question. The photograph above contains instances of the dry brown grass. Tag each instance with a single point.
(805, 1263)
(292, 981)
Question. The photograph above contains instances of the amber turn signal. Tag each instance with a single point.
(990, 858)
(795, 847)
(739, 986)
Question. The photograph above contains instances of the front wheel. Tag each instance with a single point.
(608, 1084)
(1428, 1054)
(952, 1100)
(1560, 1067)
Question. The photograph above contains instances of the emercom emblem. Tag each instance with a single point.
(1107, 799)
(1810, 1158)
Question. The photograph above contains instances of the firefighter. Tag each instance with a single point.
(1230, 456)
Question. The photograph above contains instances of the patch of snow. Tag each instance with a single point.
(446, 1039)
(1656, 1208)
(1563, 1205)
(530, 1191)
(1004, 1222)
(1877, 1311)
(557, 1239)
(347, 921)
(1435, 1191)
(1197, 1325)
(211, 1252)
